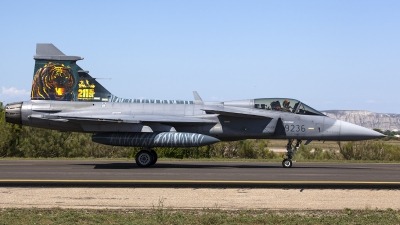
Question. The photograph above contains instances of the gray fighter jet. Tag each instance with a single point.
(66, 98)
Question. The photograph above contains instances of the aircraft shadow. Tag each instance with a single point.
(216, 166)
(171, 165)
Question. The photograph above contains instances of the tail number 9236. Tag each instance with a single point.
(295, 128)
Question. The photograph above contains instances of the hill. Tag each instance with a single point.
(367, 119)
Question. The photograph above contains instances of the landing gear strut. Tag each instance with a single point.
(287, 163)
(146, 157)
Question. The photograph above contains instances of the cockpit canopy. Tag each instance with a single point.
(285, 105)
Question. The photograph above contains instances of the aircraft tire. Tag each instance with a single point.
(287, 163)
(155, 157)
(144, 158)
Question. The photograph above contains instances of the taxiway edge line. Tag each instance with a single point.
(201, 181)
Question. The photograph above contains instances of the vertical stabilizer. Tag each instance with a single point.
(57, 77)
(47, 49)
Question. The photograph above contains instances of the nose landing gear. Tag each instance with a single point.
(287, 163)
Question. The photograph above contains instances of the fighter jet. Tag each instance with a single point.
(65, 97)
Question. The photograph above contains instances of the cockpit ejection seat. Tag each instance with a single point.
(276, 105)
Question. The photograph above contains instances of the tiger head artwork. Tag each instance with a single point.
(54, 81)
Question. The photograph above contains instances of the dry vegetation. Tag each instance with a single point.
(159, 215)
(30, 142)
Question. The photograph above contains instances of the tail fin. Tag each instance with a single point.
(58, 77)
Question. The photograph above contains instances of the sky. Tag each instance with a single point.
(331, 55)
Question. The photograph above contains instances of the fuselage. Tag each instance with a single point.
(226, 121)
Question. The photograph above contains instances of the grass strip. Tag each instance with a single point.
(160, 215)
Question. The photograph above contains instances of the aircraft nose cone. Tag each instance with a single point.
(352, 132)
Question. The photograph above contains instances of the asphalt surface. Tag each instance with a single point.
(197, 174)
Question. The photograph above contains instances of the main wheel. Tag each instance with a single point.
(287, 163)
(155, 157)
(144, 158)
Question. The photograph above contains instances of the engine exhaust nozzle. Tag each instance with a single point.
(13, 112)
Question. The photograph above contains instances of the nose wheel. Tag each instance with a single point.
(287, 163)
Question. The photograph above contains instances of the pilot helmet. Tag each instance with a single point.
(286, 103)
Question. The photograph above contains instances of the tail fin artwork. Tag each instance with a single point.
(58, 77)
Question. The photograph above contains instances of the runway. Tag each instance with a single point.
(198, 174)
(100, 184)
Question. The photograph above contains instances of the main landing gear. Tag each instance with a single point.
(287, 163)
(146, 157)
